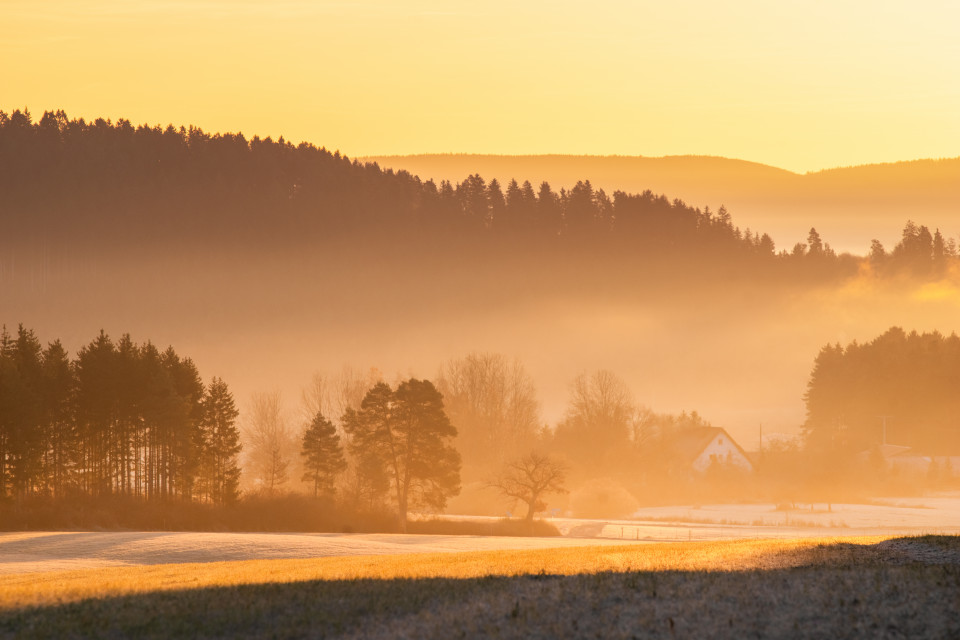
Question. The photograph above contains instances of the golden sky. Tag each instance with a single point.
(800, 85)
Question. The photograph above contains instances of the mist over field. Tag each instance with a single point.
(738, 352)
(601, 327)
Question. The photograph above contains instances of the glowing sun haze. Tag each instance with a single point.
(800, 85)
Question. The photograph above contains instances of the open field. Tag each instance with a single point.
(881, 517)
(27, 552)
(30, 552)
(844, 587)
(685, 571)
(903, 514)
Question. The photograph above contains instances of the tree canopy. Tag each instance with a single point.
(529, 479)
(106, 182)
(407, 433)
(121, 418)
(906, 380)
(323, 455)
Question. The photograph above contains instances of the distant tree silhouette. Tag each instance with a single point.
(407, 434)
(120, 419)
(270, 442)
(493, 402)
(323, 455)
(594, 433)
(221, 444)
(908, 377)
(530, 479)
(814, 243)
(101, 184)
(59, 463)
(877, 256)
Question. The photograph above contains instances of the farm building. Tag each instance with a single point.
(908, 460)
(698, 448)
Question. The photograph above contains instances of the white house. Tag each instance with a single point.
(700, 447)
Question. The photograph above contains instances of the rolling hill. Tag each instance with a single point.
(849, 206)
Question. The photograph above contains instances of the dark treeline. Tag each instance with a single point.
(125, 424)
(116, 184)
(908, 381)
(121, 419)
(919, 253)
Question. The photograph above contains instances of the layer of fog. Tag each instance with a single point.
(739, 353)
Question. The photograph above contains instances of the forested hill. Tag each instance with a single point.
(850, 205)
(62, 178)
(108, 188)
(114, 184)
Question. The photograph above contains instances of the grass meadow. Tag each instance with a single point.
(842, 587)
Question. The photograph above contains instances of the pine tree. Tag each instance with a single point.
(878, 256)
(939, 251)
(368, 430)
(323, 455)
(497, 202)
(221, 444)
(96, 413)
(815, 242)
(430, 469)
(408, 434)
(9, 387)
(60, 456)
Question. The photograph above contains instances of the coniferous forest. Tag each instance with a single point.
(120, 418)
(114, 184)
(902, 383)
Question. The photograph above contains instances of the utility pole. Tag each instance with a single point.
(884, 418)
(760, 452)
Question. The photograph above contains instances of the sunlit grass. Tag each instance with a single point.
(57, 587)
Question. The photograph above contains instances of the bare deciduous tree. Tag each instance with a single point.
(316, 398)
(332, 395)
(271, 442)
(529, 479)
(597, 424)
(600, 399)
(493, 403)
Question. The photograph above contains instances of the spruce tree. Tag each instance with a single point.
(221, 444)
(61, 453)
(323, 455)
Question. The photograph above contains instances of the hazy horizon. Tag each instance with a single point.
(835, 85)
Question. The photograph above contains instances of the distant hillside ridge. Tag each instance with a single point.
(850, 205)
(117, 186)
(112, 186)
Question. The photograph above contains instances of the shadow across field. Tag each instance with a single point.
(901, 587)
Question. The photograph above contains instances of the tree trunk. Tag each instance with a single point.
(402, 492)
(530, 507)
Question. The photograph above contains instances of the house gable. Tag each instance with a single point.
(697, 448)
(722, 449)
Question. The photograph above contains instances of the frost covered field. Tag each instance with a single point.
(715, 571)
(57, 551)
(873, 587)
(889, 516)
(27, 552)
